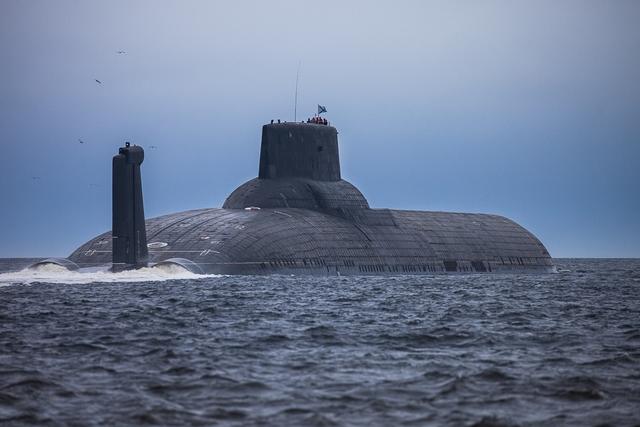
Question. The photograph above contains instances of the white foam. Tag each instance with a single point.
(51, 273)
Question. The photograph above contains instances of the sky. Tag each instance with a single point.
(525, 109)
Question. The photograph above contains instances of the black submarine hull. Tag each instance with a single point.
(300, 217)
(301, 241)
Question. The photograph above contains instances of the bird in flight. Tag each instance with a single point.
(153, 147)
(120, 52)
(80, 141)
(35, 178)
(98, 81)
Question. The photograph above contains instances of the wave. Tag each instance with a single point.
(51, 273)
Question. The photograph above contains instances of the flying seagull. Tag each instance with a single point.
(120, 52)
(80, 141)
(98, 81)
(152, 147)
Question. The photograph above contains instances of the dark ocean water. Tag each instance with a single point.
(558, 349)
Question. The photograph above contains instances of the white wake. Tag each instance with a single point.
(51, 273)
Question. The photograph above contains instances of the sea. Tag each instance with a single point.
(171, 348)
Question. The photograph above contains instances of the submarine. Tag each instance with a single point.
(298, 216)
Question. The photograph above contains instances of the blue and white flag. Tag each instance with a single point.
(321, 109)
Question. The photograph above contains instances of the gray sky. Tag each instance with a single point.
(525, 109)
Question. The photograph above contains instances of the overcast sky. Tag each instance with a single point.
(528, 109)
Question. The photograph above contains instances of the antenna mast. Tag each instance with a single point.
(295, 103)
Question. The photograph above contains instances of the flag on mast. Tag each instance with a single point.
(321, 109)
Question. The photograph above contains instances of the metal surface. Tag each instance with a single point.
(299, 217)
(301, 150)
(128, 227)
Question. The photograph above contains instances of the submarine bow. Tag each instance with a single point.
(298, 216)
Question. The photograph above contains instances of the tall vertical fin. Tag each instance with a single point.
(128, 226)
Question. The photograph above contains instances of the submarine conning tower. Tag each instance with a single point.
(299, 150)
(299, 168)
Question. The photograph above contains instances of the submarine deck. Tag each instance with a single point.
(354, 242)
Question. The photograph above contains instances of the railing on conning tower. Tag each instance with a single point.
(315, 120)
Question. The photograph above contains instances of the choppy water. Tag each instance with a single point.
(559, 349)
